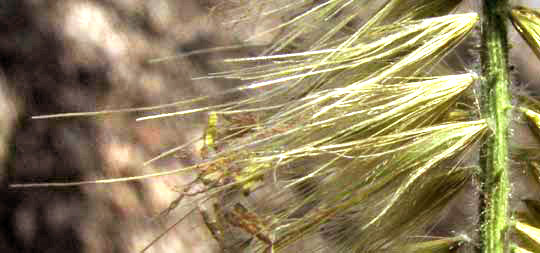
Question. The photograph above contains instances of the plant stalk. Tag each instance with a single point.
(496, 186)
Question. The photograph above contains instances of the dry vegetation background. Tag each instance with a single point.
(75, 55)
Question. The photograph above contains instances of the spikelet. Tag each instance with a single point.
(527, 22)
(520, 250)
(533, 118)
(441, 245)
(314, 25)
(527, 225)
(376, 188)
(404, 49)
(528, 231)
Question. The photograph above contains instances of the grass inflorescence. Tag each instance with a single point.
(362, 129)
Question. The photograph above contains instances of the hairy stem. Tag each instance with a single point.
(495, 71)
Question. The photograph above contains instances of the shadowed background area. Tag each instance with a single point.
(76, 56)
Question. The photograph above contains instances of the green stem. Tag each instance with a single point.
(495, 71)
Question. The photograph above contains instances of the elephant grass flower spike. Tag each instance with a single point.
(365, 136)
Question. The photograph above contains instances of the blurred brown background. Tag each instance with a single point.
(84, 55)
(73, 56)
